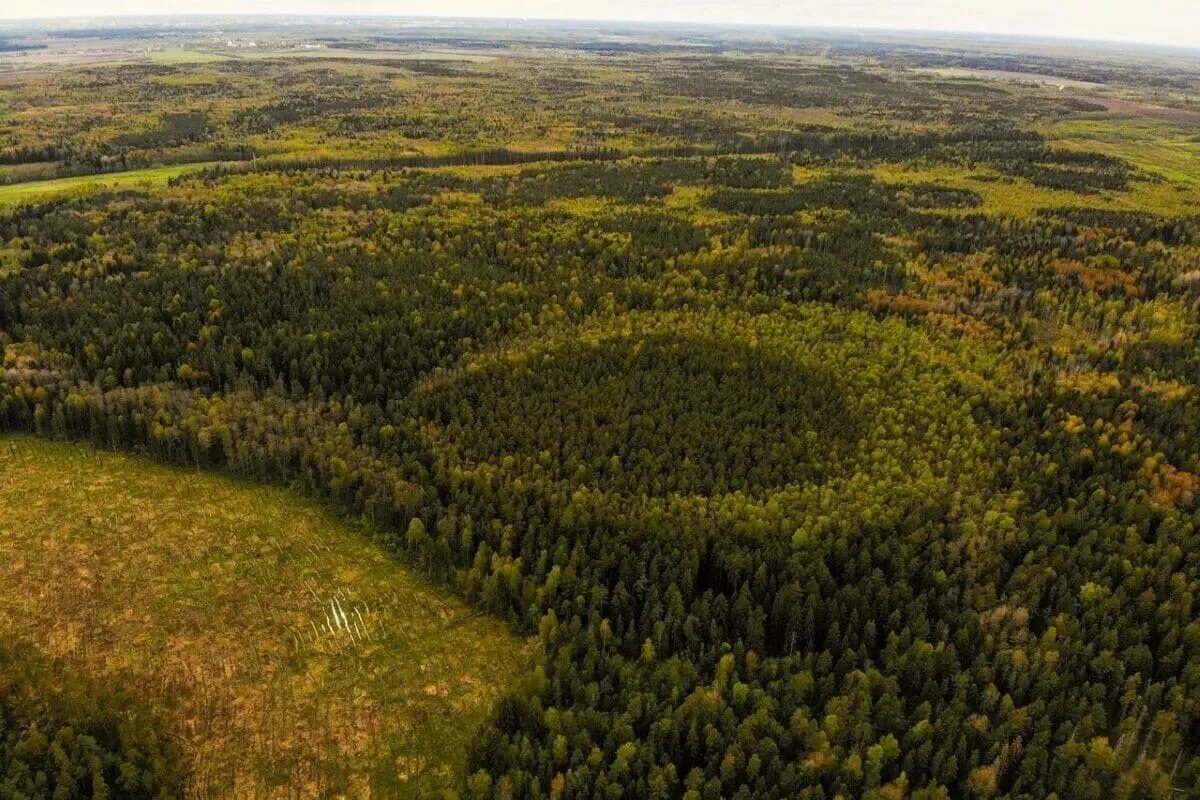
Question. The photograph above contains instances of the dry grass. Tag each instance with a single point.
(291, 656)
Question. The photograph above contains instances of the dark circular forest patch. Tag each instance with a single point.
(801, 414)
(662, 414)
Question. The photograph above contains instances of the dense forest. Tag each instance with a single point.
(833, 427)
(64, 736)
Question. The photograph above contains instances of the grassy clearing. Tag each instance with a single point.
(1171, 151)
(1007, 76)
(290, 656)
(33, 191)
(183, 57)
(1017, 197)
(1001, 194)
(1168, 154)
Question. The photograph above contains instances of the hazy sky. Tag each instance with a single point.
(1166, 21)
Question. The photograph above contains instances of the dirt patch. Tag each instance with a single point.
(1117, 105)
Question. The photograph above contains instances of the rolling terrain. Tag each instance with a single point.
(776, 413)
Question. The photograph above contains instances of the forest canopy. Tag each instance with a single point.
(827, 414)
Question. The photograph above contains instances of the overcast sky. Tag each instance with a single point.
(1164, 21)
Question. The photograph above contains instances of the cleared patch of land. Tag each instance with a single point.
(291, 656)
(32, 191)
(1118, 105)
(1011, 76)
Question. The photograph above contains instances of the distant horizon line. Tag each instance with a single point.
(844, 28)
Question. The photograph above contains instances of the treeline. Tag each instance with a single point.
(1016, 153)
(470, 158)
(71, 160)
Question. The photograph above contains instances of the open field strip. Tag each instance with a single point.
(147, 178)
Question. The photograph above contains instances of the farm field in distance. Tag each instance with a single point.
(494, 409)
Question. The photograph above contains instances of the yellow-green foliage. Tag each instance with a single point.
(289, 654)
